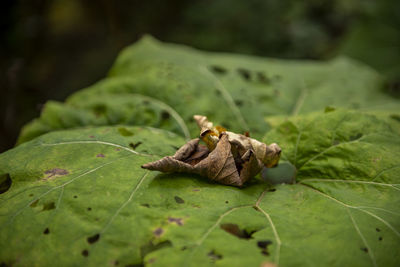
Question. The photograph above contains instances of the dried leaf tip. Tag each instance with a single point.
(228, 158)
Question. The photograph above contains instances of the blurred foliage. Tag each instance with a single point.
(50, 48)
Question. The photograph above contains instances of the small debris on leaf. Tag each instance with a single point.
(227, 158)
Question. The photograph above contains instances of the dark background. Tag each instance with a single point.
(50, 49)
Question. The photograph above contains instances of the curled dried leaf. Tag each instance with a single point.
(227, 158)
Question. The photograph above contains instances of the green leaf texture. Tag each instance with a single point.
(79, 197)
(164, 85)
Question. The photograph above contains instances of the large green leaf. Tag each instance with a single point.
(164, 85)
(79, 197)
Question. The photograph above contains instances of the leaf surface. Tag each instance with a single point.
(164, 85)
(83, 192)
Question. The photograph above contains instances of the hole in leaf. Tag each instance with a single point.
(145, 205)
(49, 206)
(5, 183)
(236, 231)
(246, 75)
(165, 115)
(380, 238)
(378, 230)
(263, 244)
(93, 239)
(124, 132)
(135, 145)
(364, 249)
(46, 231)
(85, 252)
(272, 190)
(179, 200)
(89, 209)
(218, 69)
(214, 256)
(75, 196)
(226, 201)
(284, 173)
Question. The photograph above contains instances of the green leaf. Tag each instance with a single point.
(164, 85)
(79, 197)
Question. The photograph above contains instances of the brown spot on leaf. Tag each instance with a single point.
(100, 155)
(196, 190)
(135, 145)
(49, 206)
(262, 78)
(145, 205)
(364, 249)
(91, 136)
(34, 203)
(158, 232)
(94, 238)
(179, 200)
(234, 229)
(85, 253)
(226, 201)
(246, 74)
(214, 256)
(31, 195)
(378, 230)
(75, 196)
(177, 221)
(55, 172)
(380, 238)
(5, 183)
(46, 231)
(89, 209)
(218, 69)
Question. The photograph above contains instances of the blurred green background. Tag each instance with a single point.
(50, 49)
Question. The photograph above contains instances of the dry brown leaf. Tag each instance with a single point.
(227, 158)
